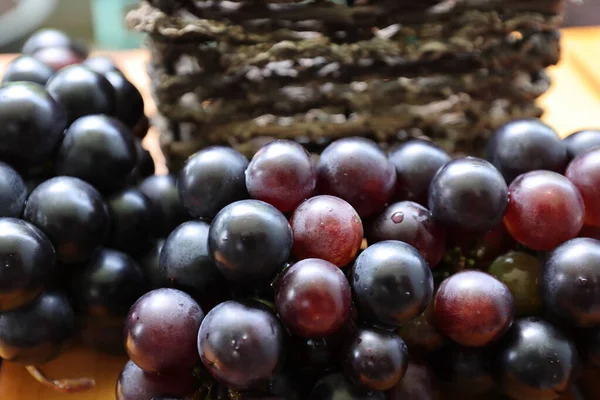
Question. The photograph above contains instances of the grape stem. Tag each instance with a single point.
(61, 385)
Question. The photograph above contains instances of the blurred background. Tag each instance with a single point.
(100, 22)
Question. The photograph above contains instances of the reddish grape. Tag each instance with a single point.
(58, 57)
(313, 298)
(584, 172)
(161, 330)
(358, 171)
(375, 359)
(328, 228)
(283, 174)
(411, 223)
(473, 308)
(545, 209)
(135, 384)
(418, 384)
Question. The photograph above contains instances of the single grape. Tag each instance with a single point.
(375, 359)
(416, 162)
(571, 282)
(31, 125)
(421, 335)
(212, 179)
(27, 69)
(521, 273)
(525, 145)
(129, 100)
(545, 210)
(73, 216)
(249, 240)
(419, 383)
(58, 57)
(168, 210)
(358, 171)
(328, 228)
(536, 362)
(150, 264)
(82, 92)
(131, 220)
(108, 285)
(28, 262)
(161, 331)
(468, 194)
(52, 39)
(99, 150)
(584, 172)
(145, 163)
(241, 344)
(283, 174)
(411, 223)
(391, 282)
(185, 261)
(13, 192)
(101, 64)
(582, 141)
(473, 308)
(463, 371)
(313, 298)
(37, 332)
(135, 384)
(334, 386)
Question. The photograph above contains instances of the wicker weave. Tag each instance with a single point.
(245, 72)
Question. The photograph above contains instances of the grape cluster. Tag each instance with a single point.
(351, 274)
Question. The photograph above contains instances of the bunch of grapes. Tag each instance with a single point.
(347, 275)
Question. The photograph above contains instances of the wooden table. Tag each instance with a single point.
(573, 103)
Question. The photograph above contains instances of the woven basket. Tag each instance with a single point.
(244, 72)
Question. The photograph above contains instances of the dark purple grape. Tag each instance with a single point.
(82, 92)
(419, 383)
(249, 240)
(571, 282)
(391, 282)
(100, 150)
(129, 100)
(52, 38)
(525, 145)
(185, 261)
(334, 386)
(358, 171)
(328, 228)
(473, 308)
(135, 384)
(31, 125)
(411, 223)
(27, 69)
(416, 162)
(584, 172)
(536, 362)
(582, 141)
(211, 179)
(168, 210)
(101, 64)
(150, 264)
(37, 332)
(161, 331)
(27, 259)
(145, 163)
(108, 285)
(375, 359)
(241, 344)
(73, 216)
(545, 210)
(13, 192)
(468, 194)
(131, 220)
(283, 174)
(313, 298)
(463, 371)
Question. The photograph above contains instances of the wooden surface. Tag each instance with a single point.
(573, 103)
